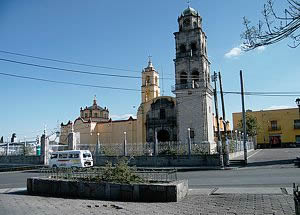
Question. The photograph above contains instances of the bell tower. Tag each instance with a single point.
(192, 76)
(150, 83)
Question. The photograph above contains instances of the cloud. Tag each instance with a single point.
(261, 48)
(235, 52)
(275, 107)
(122, 116)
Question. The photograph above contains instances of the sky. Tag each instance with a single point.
(122, 34)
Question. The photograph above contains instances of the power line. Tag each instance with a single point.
(67, 83)
(68, 70)
(68, 62)
(266, 94)
(270, 94)
(71, 70)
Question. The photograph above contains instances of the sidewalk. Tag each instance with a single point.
(239, 201)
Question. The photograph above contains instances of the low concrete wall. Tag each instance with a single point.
(20, 159)
(164, 161)
(165, 192)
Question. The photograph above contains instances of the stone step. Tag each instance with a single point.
(236, 162)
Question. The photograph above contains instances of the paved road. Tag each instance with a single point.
(15, 179)
(264, 187)
(267, 168)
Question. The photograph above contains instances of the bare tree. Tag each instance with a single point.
(273, 27)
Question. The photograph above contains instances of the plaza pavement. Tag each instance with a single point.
(228, 197)
(210, 201)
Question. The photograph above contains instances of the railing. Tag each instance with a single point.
(238, 146)
(186, 86)
(14, 149)
(95, 173)
(172, 148)
(274, 128)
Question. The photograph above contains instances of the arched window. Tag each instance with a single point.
(156, 92)
(147, 80)
(195, 24)
(147, 96)
(195, 79)
(156, 81)
(194, 46)
(182, 48)
(195, 75)
(183, 78)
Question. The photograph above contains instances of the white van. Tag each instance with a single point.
(71, 158)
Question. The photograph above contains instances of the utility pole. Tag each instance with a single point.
(226, 159)
(219, 144)
(244, 118)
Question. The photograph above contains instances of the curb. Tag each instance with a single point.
(19, 168)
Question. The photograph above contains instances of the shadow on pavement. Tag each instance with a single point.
(21, 192)
(270, 163)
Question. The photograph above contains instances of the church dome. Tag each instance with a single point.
(190, 11)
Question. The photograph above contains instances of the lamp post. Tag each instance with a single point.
(98, 148)
(25, 145)
(298, 104)
(125, 144)
(189, 142)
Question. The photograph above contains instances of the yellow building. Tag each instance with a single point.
(277, 128)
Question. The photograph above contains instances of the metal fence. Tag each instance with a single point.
(173, 148)
(95, 173)
(119, 149)
(238, 146)
(8, 149)
(148, 149)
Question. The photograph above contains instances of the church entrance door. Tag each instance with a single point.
(163, 136)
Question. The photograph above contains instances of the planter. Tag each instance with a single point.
(150, 192)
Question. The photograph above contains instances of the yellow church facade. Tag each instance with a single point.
(94, 121)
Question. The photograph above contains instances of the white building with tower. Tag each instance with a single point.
(186, 117)
(192, 76)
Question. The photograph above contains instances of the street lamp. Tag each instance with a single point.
(189, 142)
(298, 104)
(98, 149)
(125, 144)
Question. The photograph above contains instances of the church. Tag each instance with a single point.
(187, 115)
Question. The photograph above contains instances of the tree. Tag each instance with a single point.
(251, 124)
(273, 27)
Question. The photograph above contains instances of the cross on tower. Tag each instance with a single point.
(150, 58)
(189, 2)
(150, 62)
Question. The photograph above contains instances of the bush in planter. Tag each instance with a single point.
(120, 173)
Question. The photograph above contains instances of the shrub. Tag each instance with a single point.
(120, 173)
